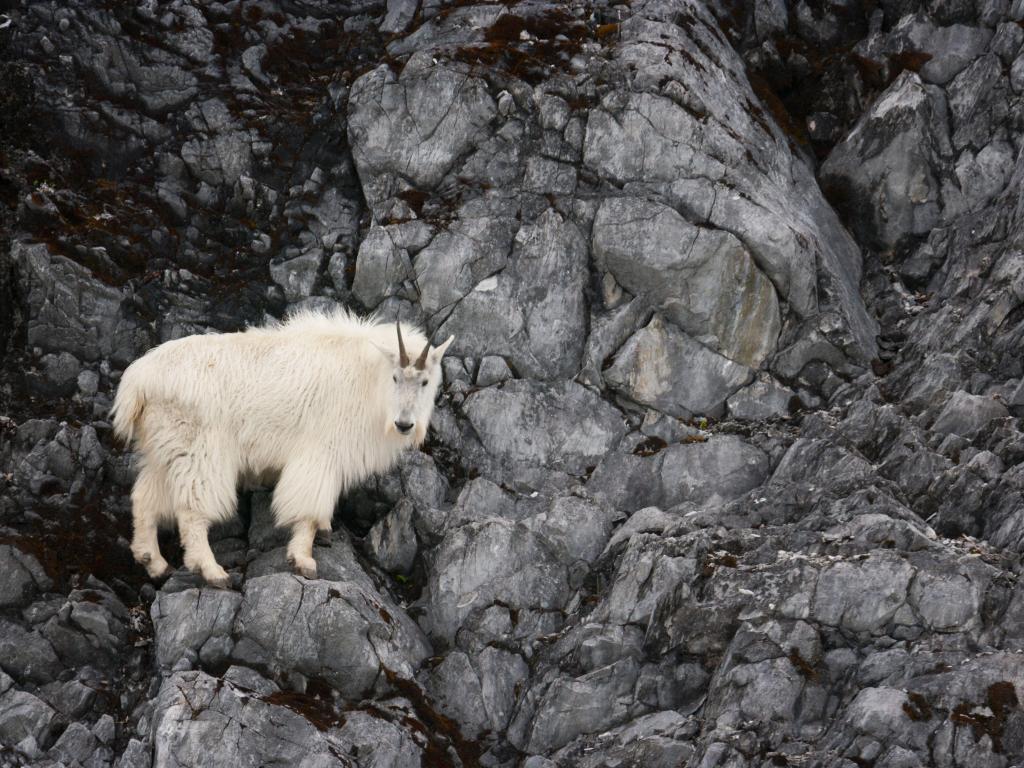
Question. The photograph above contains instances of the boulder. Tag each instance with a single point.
(888, 175)
(492, 562)
(965, 414)
(701, 279)
(664, 368)
(413, 126)
(526, 424)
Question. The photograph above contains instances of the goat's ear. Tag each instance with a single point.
(388, 354)
(440, 349)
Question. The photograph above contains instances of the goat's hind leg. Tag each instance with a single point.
(151, 503)
(205, 493)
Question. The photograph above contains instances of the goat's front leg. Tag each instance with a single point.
(304, 501)
(300, 548)
(194, 530)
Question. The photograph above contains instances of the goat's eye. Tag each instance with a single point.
(395, 379)
(423, 384)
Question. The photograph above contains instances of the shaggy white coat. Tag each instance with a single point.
(310, 403)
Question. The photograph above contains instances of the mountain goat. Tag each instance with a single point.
(319, 402)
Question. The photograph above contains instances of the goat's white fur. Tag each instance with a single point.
(310, 403)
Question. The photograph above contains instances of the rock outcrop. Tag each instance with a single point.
(727, 466)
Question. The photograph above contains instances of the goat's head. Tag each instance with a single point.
(415, 384)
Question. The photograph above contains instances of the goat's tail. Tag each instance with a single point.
(128, 405)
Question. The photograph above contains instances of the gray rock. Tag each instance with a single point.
(608, 332)
(88, 383)
(203, 720)
(862, 597)
(659, 740)
(413, 126)
(222, 153)
(473, 248)
(687, 143)
(297, 276)
(391, 541)
(399, 15)
(493, 370)
(627, 481)
(985, 174)
(26, 655)
(946, 598)
(76, 745)
(23, 716)
(725, 467)
(357, 632)
(978, 99)
(588, 704)
(664, 368)
(762, 399)
(965, 414)
(1007, 41)
(702, 279)
(381, 267)
(479, 692)
(491, 562)
(105, 729)
(61, 371)
(422, 481)
(481, 499)
(756, 681)
(808, 459)
(523, 424)
(950, 48)
(190, 620)
(889, 170)
(160, 87)
(1017, 75)
(646, 520)
(22, 577)
(581, 527)
(532, 312)
(379, 742)
(544, 176)
(1017, 398)
(135, 755)
(74, 699)
(71, 311)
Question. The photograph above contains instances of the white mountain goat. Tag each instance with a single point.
(319, 403)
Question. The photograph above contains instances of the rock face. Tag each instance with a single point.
(886, 166)
(727, 465)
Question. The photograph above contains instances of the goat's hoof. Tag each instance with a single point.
(218, 580)
(158, 570)
(156, 567)
(304, 566)
(322, 539)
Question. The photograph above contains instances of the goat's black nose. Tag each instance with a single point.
(404, 426)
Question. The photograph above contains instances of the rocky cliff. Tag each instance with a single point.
(728, 467)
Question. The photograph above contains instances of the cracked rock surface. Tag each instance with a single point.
(728, 466)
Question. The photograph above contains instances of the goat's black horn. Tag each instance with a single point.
(421, 361)
(403, 358)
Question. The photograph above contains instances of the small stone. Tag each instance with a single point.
(492, 370)
(88, 382)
